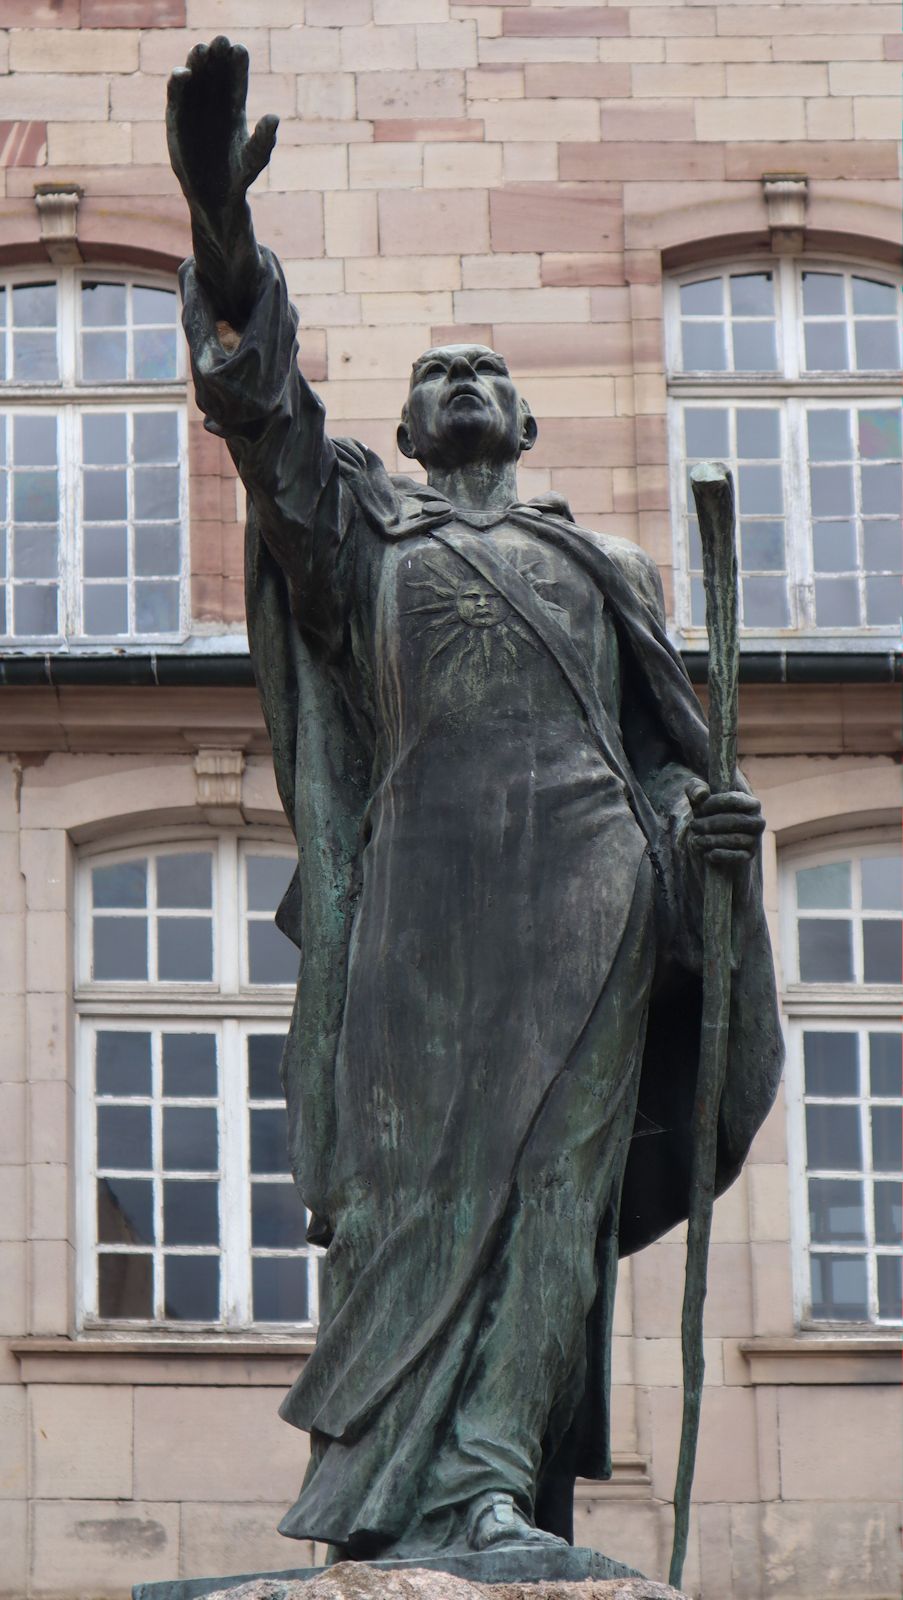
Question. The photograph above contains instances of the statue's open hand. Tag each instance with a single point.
(212, 155)
(725, 828)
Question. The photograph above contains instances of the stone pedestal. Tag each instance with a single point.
(500, 1574)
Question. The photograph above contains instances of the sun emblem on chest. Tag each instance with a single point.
(464, 618)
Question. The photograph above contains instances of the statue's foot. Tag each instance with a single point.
(495, 1519)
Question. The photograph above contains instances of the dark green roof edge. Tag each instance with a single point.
(235, 672)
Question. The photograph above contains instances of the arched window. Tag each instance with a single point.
(184, 989)
(790, 371)
(843, 918)
(93, 492)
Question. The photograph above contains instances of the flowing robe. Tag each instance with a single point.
(482, 741)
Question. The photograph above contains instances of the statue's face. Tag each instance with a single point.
(463, 407)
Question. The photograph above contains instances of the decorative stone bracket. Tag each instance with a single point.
(218, 775)
(786, 199)
(57, 205)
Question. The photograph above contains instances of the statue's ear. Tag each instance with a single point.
(405, 441)
(528, 428)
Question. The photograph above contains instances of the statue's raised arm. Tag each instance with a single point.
(216, 161)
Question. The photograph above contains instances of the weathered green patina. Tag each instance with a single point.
(495, 769)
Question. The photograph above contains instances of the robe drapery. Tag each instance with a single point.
(482, 740)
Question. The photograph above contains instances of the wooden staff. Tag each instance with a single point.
(713, 491)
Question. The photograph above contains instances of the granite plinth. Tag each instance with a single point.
(499, 1566)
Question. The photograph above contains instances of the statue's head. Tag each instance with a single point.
(463, 408)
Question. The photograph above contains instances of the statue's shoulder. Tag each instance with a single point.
(636, 565)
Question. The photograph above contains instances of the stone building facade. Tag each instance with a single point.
(681, 223)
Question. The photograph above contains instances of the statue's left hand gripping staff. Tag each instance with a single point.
(216, 161)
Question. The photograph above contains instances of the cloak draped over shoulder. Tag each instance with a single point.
(482, 741)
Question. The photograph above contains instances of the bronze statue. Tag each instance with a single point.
(494, 766)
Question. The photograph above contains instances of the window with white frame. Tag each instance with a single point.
(93, 491)
(843, 918)
(188, 1214)
(790, 372)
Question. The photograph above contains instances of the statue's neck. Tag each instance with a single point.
(478, 486)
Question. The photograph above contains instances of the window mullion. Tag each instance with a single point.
(235, 1209)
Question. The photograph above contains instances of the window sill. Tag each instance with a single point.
(815, 1358)
(192, 1360)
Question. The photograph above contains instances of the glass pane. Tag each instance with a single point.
(103, 305)
(880, 434)
(103, 438)
(184, 949)
(834, 546)
(269, 1141)
(882, 951)
(105, 496)
(123, 885)
(829, 436)
(106, 608)
(755, 348)
(765, 603)
(826, 950)
(826, 347)
(706, 430)
(185, 880)
(887, 1139)
(882, 545)
(697, 602)
(832, 1138)
(832, 491)
(271, 957)
(35, 496)
(827, 888)
(873, 299)
(35, 552)
(882, 882)
(823, 294)
(889, 1212)
(104, 357)
(191, 1288)
(190, 1212)
(702, 299)
(156, 493)
(758, 434)
(157, 551)
(106, 552)
(279, 1289)
(877, 346)
(277, 1217)
(837, 603)
(703, 347)
(832, 1064)
(125, 1285)
(34, 305)
(123, 1063)
(34, 610)
(156, 436)
(890, 1288)
(268, 879)
(760, 490)
(125, 1211)
(155, 355)
(886, 1065)
(157, 607)
(752, 294)
(153, 306)
(35, 358)
(264, 1056)
(34, 441)
(190, 1139)
(763, 546)
(189, 1064)
(120, 948)
(882, 489)
(839, 1288)
(836, 1211)
(124, 1138)
(883, 602)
